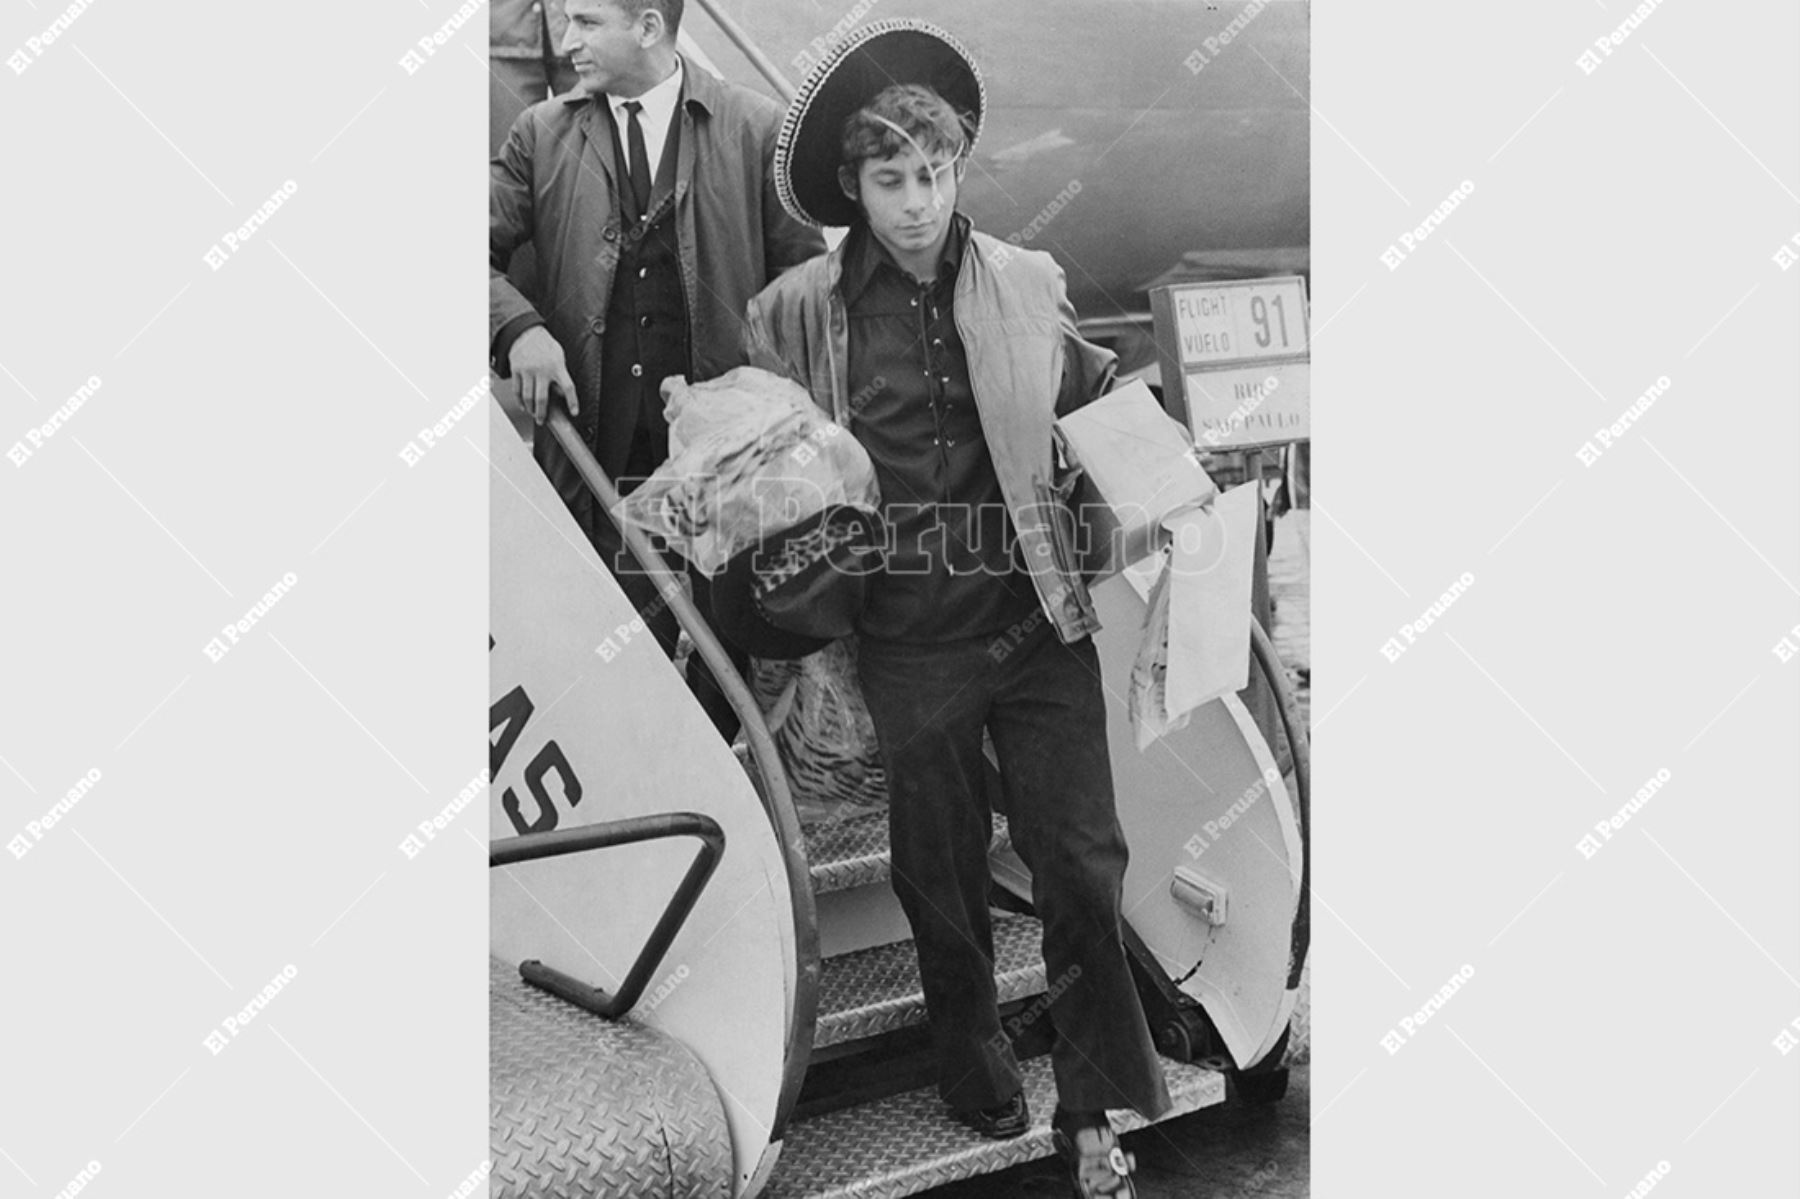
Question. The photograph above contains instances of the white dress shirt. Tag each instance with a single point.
(659, 109)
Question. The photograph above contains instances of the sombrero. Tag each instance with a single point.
(809, 147)
(799, 590)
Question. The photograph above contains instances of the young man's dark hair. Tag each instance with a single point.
(899, 117)
(949, 355)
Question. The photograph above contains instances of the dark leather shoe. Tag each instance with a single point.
(1002, 1123)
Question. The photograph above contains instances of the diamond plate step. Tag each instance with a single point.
(854, 853)
(875, 991)
(584, 1106)
(908, 1143)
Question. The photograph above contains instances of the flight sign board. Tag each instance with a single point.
(1236, 360)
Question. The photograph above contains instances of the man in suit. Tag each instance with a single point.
(648, 197)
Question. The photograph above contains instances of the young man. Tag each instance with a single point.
(948, 355)
(643, 270)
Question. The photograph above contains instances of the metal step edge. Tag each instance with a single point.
(908, 1143)
(588, 1106)
(854, 853)
(875, 991)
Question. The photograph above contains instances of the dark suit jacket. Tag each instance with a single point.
(553, 185)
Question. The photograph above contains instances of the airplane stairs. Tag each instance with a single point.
(869, 1122)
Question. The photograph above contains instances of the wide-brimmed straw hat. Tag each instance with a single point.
(809, 148)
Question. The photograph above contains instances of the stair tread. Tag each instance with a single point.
(842, 854)
(875, 991)
(908, 1143)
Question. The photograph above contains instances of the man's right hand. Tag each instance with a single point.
(537, 365)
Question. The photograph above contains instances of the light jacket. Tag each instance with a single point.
(1027, 366)
(553, 184)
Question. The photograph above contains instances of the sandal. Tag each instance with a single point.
(1099, 1168)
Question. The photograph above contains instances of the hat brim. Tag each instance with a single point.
(834, 596)
(809, 148)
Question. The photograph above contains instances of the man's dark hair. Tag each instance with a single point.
(925, 115)
(670, 10)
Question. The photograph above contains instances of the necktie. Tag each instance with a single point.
(640, 159)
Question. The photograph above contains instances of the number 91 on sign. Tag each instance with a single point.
(1239, 321)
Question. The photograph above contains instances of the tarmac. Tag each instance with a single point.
(1231, 1150)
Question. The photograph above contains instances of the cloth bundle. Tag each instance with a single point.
(814, 710)
(749, 455)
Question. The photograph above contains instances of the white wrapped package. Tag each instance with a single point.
(1139, 466)
(1195, 645)
(750, 455)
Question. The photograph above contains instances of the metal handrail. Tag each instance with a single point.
(698, 629)
(531, 847)
(777, 798)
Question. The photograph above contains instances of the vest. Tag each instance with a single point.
(646, 334)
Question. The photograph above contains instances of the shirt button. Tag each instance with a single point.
(938, 342)
(637, 370)
(914, 302)
(643, 322)
(643, 271)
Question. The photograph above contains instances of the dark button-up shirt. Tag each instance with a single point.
(950, 572)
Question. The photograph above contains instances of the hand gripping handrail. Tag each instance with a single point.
(532, 846)
(777, 799)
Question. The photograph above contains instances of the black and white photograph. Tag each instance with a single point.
(898, 698)
(798, 665)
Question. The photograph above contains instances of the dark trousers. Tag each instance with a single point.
(658, 617)
(1042, 703)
